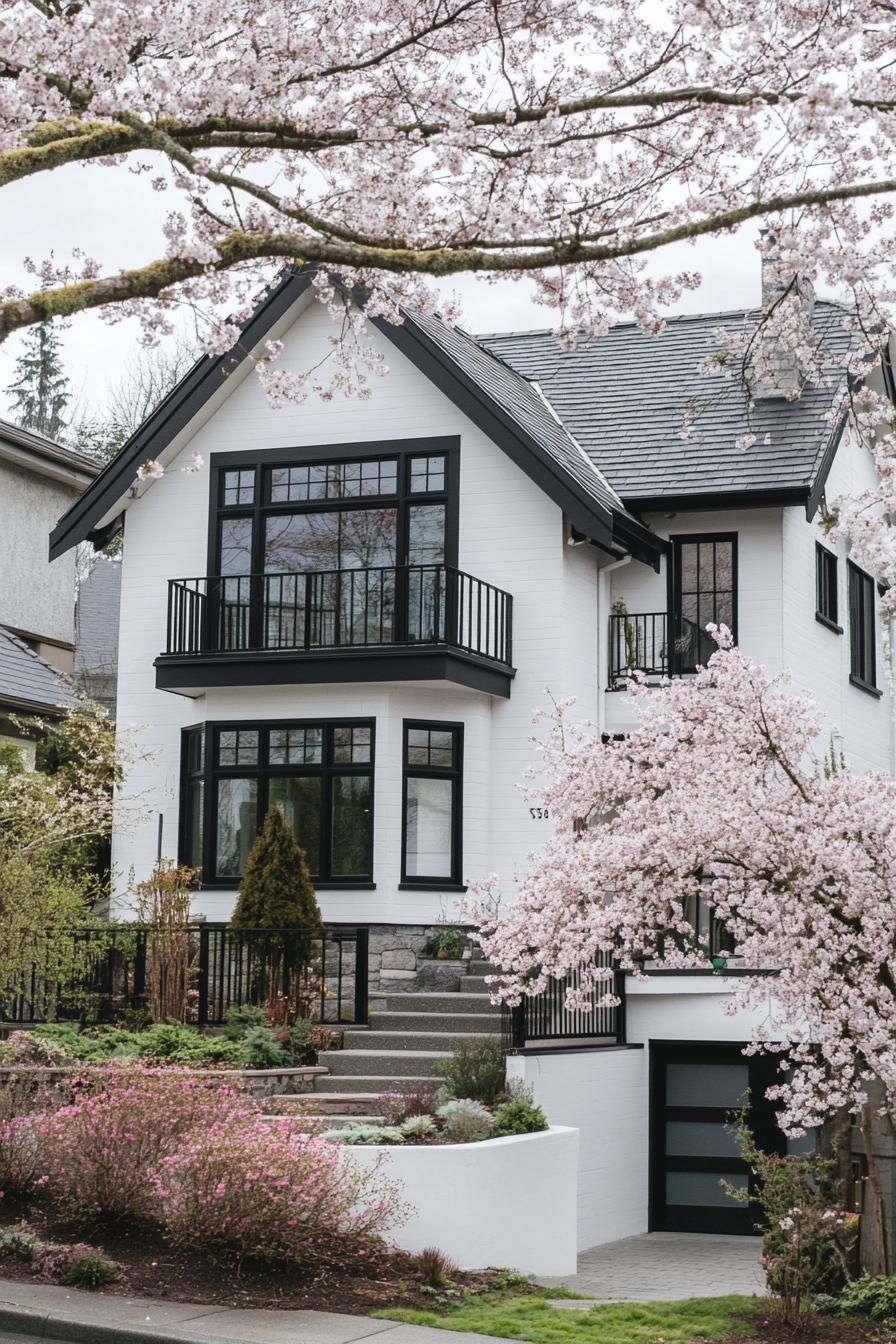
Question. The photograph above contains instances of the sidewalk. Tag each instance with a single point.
(34, 1310)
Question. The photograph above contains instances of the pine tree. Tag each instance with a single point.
(276, 891)
(40, 389)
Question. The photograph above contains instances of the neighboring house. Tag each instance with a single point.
(37, 596)
(97, 614)
(354, 613)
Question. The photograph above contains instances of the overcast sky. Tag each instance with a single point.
(114, 216)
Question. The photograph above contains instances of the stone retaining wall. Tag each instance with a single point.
(398, 960)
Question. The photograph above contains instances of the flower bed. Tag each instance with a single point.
(507, 1201)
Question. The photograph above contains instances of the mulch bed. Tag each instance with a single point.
(771, 1329)
(152, 1267)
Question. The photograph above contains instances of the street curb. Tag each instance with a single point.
(53, 1325)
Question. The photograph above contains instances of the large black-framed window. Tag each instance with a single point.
(432, 823)
(862, 629)
(702, 590)
(826, 605)
(334, 507)
(318, 772)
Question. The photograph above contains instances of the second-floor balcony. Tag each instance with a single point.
(401, 622)
(656, 644)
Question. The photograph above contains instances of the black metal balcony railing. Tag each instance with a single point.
(638, 644)
(655, 644)
(340, 609)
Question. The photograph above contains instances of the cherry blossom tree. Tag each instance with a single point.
(393, 145)
(721, 795)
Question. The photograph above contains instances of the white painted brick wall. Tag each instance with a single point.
(511, 535)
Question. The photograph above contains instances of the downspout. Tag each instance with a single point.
(603, 637)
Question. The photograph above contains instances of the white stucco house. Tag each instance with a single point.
(353, 611)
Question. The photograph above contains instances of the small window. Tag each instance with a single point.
(826, 587)
(862, 633)
(432, 803)
(333, 480)
(427, 474)
(239, 488)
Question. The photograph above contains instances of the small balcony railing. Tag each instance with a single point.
(398, 606)
(654, 643)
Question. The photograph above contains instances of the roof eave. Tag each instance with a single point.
(171, 416)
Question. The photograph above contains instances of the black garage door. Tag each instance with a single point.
(695, 1090)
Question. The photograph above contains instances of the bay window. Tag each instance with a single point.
(320, 776)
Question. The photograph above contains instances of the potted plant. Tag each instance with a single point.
(446, 945)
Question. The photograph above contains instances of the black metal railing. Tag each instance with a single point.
(655, 644)
(324, 975)
(638, 644)
(545, 1017)
(340, 609)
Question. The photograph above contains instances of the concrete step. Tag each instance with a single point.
(474, 984)
(342, 1103)
(459, 1024)
(423, 1001)
(477, 967)
(375, 1084)
(383, 1063)
(362, 1039)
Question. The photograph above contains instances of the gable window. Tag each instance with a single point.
(330, 546)
(431, 818)
(826, 587)
(703, 592)
(320, 775)
(862, 633)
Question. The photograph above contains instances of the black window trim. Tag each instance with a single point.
(859, 630)
(455, 773)
(307, 455)
(673, 568)
(263, 772)
(826, 557)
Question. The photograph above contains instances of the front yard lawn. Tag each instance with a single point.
(533, 1318)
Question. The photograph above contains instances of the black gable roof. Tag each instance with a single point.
(625, 397)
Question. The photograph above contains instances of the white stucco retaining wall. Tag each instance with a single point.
(507, 1203)
(603, 1093)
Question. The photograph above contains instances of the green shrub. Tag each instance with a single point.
(366, 1134)
(18, 1242)
(475, 1070)
(466, 1120)
(172, 1043)
(276, 891)
(872, 1295)
(89, 1270)
(263, 1049)
(419, 1127)
(242, 1017)
(296, 1041)
(519, 1117)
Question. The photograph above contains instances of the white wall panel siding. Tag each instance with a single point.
(604, 1095)
(511, 535)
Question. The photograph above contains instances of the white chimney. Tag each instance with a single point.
(779, 372)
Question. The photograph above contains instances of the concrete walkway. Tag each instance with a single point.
(29, 1310)
(667, 1266)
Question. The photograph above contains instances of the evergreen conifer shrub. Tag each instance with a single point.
(276, 891)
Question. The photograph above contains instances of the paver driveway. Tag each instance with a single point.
(669, 1265)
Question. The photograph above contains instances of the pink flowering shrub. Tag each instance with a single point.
(101, 1152)
(274, 1193)
(21, 1104)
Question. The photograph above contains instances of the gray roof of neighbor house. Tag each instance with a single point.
(28, 683)
(493, 395)
(35, 452)
(96, 619)
(625, 397)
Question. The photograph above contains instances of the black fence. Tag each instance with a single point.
(545, 1017)
(638, 644)
(340, 609)
(117, 968)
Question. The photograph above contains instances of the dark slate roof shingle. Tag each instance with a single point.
(27, 681)
(516, 395)
(625, 397)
